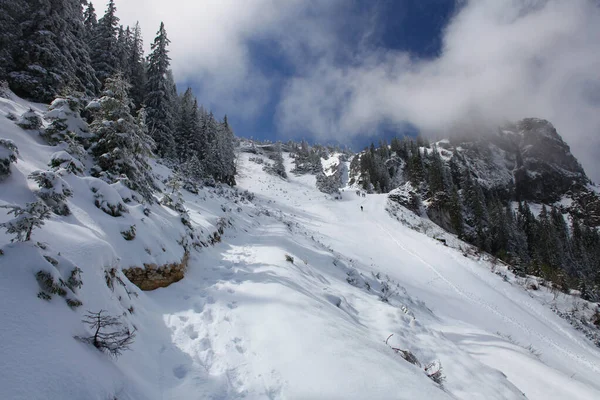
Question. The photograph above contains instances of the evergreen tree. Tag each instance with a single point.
(188, 127)
(226, 153)
(105, 51)
(455, 209)
(278, 166)
(123, 51)
(436, 173)
(137, 67)
(53, 190)
(121, 144)
(26, 220)
(159, 103)
(50, 53)
(10, 17)
(90, 22)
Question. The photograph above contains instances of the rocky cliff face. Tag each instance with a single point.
(545, 168)
(529, 161)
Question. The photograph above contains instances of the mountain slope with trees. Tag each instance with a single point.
(517, 193)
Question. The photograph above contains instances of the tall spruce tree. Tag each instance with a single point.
(90, 22)
(137, 67)
(188, 127)
(159, 89)
(105, 51)
(226, 153)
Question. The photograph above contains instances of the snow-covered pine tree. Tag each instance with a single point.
(90, 22)
(123, 50)
(192, 171)
(51, 52)
(29, 120)
(10, 16)
(121, 143)
(66, 124)
(188, 127)
(105, 52)
(26, 220)
(137, 67)
(158, 101)
(278, 166)
(79, 50)
(226, 153)
(207, 144)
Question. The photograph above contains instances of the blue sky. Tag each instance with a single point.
(348, 70)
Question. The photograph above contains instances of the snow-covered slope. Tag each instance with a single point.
(288, 305)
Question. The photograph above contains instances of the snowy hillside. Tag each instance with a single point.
(294, 300)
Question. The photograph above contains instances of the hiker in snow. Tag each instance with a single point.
(361, 208)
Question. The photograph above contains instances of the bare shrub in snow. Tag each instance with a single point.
(110, 335)
(434, 372)
(26, 220)
(8, 155)
(407, 355)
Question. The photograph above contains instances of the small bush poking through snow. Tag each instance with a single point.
(108, 199)
(74, 303)
(53, 190)
(44, 296)
(129, 234)
(110, 336)
(8, 155)
(49, 285)
(74, 281)
(289, 258)
(433, 370)
(30, 120)
(64, 160)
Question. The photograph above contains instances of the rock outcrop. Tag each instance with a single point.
(153, 277)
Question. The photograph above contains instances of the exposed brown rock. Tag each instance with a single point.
(153, 277)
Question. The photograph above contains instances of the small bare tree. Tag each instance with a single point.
(111, 336)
